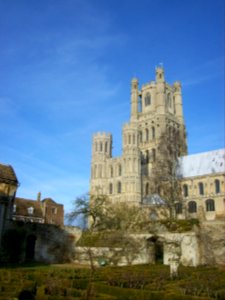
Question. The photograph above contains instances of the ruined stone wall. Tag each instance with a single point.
(39, 242)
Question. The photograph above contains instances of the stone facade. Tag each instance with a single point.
(203, 185)
(8, 188)
(157, 108)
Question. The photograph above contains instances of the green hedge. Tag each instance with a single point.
(134, 294)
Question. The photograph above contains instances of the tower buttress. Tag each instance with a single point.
(160, 90)
(178, 101)
(134, 99)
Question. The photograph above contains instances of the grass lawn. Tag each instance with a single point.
(143, 282)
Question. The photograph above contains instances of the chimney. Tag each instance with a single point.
(39, 196)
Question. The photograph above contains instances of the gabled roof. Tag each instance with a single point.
(22, 206)
(205, 163)
(8, 175)
(50, 201)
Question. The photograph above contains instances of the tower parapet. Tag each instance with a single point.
(102, 145)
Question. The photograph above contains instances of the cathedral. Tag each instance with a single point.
(156, 110)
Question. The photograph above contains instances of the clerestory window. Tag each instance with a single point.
(147, 99)
(201, 188)
(217, 186)
(185, 190)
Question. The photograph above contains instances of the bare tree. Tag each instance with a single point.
(90, 208)
(164, 176)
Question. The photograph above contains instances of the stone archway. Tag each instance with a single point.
(30, 247)
(157, 249)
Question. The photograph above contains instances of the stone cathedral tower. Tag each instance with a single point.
(155, 107)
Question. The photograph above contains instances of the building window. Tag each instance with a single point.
(153, 154)
(201, 188)
(100, 171)
(110, 188)
(169, 103)
(210, 205)
(178, 208)
(129, 139)
(153, 133)
(14, 208)
(146, 135)
(217, 186)
(140, 136)
(95, 171)
(106, 147)
(147, 189)
(119, 187)
(185, 190)
(192, 207)
(111, 171)
(54, 210)
(147, 99)
(174, 106)
(30, 210)
(147, 156)
(119, 170)
(100, 146)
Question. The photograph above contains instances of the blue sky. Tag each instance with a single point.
(65, 72)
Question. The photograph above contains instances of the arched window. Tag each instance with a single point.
(147, 156)
(210, 205)
(100, 146)
(133, 138)
(178, 208)
(169, 100)
(153, 154)
(153, 132)
(111, 171)
(147, 189)
(185, 190)
(119, 187)
(110, 188)
(147, 99)
(174, 106)
(217, 186)
(192, 207)
(100, 171)
(146, 135)
(96, 146)
(140, 136)
(106, 147)
(119, 170)
(95, 171)
(201, 188)
(129, 139)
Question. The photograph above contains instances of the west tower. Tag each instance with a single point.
(156, 108)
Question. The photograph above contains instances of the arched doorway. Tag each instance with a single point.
(157, 249)
(30, 247)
